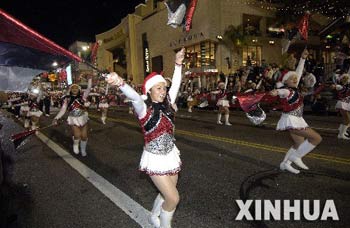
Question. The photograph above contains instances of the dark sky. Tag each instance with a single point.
(65, 21)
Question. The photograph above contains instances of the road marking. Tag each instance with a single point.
(333, 159)
(119, 198)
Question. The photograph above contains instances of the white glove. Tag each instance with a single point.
(114, 79)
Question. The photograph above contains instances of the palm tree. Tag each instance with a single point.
(234, 39)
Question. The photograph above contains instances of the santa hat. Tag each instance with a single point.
(279, 85)
(221, 84)
(283, 78)
(288, 75)
(151, 79)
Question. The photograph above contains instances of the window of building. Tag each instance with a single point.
(155, 3)
(201, 55)
(119, 57)
(251, 55)
(251, 25)
(157, 64)
(273, 29)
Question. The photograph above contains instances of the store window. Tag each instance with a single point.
(201, 55)
(251, 55)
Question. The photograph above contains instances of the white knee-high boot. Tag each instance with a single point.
(157, 205)
(76, 145)
(34, 126)
(165, 218)
(83, 147)
(227, 122)
(304, 148)
(219, 119)
(286, 163)
(342, 132)
(26, 123)
(103, 119)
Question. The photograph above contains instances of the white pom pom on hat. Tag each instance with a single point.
(151, 79)
(279, 85)
(347, 76)
(287, 75)
(284, 78)
(221, 84)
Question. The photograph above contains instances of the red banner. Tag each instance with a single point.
(189, 15)
(304, 26)
(248, 101)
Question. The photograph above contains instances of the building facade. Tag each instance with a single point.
(143, 42)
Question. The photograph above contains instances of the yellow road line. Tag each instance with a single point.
(240, 142)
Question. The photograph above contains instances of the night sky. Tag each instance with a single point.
(65, 21)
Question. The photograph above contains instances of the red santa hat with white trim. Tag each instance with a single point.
(284, 78)
(151, 79)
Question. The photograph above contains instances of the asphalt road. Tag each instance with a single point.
(221, 164)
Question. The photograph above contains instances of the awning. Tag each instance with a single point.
(24, 53)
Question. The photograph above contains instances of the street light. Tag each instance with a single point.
(85, 48)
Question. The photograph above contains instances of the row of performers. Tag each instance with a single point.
(225, 100)
(75, 102)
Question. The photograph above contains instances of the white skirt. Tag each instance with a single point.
(103, 105)
(223, 103)
(342, 105)
(287, 122)
(78, 121)
(36, 113)
(161, 165)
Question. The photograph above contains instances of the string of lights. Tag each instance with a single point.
(330, 8)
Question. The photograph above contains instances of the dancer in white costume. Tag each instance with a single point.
(34, 112)
(103, 105)
(305, 139)
(77, 117)
(24, 111)
(160, 158)
(343, 104)
(223, 102)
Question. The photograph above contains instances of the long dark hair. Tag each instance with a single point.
(168, 109)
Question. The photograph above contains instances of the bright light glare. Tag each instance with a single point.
(36, 91)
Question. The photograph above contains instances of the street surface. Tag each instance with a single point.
(221, 164)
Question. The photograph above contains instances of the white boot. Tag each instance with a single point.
(157, 205)
(286, 163)
(304, 148)
(34, 127)
(83, 147)
(342, 132)
(76, 145)
(103, 119)
(219, 119)
(287, 166)
(227, 123)
(190, 109)
(165, 218)
(26, 123)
